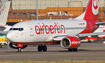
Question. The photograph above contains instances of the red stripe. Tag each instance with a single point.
(38, 43)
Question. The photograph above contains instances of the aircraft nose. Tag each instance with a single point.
(10, 36)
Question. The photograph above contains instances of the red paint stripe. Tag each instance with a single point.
(38, 43)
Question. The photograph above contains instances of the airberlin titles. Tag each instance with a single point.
(42, 28)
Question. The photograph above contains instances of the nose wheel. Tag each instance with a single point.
(42, 48)
(20, 50)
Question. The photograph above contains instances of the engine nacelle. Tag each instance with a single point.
(70, 42)
(16, 46)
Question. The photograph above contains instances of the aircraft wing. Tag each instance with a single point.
(90, 34)
(3, 32)
(2, 28)
(58, 38)
(100, 23)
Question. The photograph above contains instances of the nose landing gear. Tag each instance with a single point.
(20, 50)
(42, 47)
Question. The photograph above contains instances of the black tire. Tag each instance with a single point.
(40, 48)
(75, 49)
(70, 50)
(44, 48)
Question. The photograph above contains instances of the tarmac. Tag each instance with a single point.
(86, 51)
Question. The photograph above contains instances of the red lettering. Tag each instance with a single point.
(58, 29)
(37, 28)
(55, 27)
(47, 29)
(41, 29)
(51, 29)
(63, 28)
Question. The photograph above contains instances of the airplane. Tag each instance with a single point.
(67, 33)
(97, 37)
(3, 19)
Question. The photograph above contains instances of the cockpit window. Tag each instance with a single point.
(15, 28)
(19, 29)
(10, 28)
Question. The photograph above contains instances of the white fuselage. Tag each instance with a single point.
(43, 31)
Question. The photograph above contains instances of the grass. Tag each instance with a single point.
(62, 61)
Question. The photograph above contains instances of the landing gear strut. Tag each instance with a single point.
(42, 47)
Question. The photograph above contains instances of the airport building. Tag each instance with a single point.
(22, 10)
(43, 4)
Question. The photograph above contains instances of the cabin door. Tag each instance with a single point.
(31, 30)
